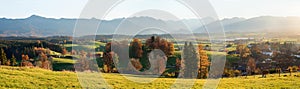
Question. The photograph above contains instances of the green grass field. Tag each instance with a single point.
(15, 77)
(60, 64)
(34, 78)
(92, 45)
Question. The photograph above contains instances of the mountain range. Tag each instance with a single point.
(42, 26)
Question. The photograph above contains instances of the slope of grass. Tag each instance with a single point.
(64, 60)
(34, 78)
(60, 64)
(14, 77)
(92, 45)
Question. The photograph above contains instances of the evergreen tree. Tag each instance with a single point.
(3, 58)
(13, 60)
(190, 61)
(121, 57)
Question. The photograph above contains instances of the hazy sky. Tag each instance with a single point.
(224, 8)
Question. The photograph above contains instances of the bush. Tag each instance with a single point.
(295, 68)
(272, 71)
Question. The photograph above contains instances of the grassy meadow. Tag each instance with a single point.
(35, 78)
(15, 77)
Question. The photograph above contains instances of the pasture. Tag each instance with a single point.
(15, 77)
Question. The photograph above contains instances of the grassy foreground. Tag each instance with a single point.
(14, 77)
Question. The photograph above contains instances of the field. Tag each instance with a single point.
(33, 78)
(60, 64)
(14, 77)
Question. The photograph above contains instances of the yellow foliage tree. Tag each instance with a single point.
(203, 63)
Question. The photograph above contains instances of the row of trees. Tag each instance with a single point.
(138, 53)
(5, 61)
(19, 47)
(42, 61)
(194, 62)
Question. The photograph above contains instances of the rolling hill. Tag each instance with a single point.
(258, 24)
(16, 77)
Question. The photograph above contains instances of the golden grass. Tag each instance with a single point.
(15, 77)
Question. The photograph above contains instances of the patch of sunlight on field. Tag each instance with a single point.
(272, 81)
(70, 45)
(63, 60)
(100, 43)
(54, 53)
(215, 53)
(96, 44)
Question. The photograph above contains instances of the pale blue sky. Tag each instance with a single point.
(224, 8)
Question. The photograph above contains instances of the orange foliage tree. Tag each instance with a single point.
(25, 61)
(136, 49)
(203, 63)
(64, 51)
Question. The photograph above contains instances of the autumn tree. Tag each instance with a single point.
(239, 48)
(203, 63)
(152, 43)
(136, 50)
(84, 63)
(244, 52)
(251, 65)
(162, 44)
(43, 61)
(171, 48)
(3, 59)
(73, 52)
(64, 51)
(256, 51)
(25, 57)
(25, 61)
(108, 58)
(8, 63)
(136, 64)
(177, 66)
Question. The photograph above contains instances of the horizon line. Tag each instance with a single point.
(141, 16)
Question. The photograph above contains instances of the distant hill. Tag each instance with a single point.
(41, 26)
(259, 24)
